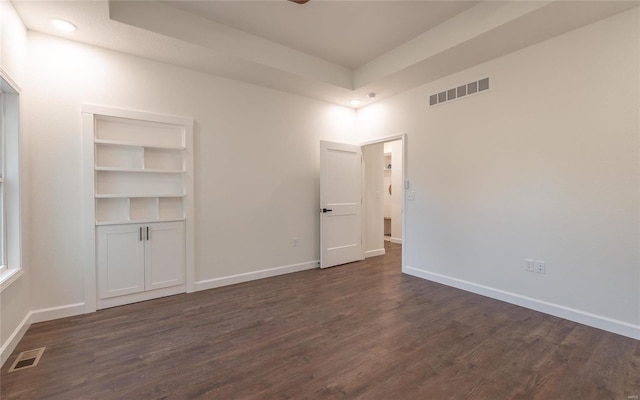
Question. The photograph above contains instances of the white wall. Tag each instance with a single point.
(373, 205)
(14, 299)
(256, 161)
(13, 40)
(543, 166)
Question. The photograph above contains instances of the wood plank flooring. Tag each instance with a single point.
(361, 331)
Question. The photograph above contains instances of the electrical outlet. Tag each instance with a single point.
(541, 267)
(295, 242)
(411, 196)
(528, 264)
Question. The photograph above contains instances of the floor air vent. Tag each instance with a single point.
(27, 359)
(459, 92)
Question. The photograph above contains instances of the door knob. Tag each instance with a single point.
(324, 210)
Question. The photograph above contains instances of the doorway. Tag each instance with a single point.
(392, 199)
(352, 199)
(383, 194)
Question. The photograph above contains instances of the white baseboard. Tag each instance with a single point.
(10, 344)
(33, 317)
(395, 240)
(374, 253)
(47, 314)
(140, 296)
(252, 276)
(581, 317)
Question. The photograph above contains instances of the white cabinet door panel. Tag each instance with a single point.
(120, 260)
(164, 255)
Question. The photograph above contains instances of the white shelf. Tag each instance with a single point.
(149, 170)
(137, 195)
(140, 171)
(138, 221)
(122, 143)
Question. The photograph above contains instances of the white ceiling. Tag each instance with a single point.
(348, 33)
(329, 50)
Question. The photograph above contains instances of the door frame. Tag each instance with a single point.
(403, 138)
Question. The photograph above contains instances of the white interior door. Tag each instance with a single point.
(340, 203)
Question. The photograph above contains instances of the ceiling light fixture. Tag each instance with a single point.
(355, 102)
(63, 25)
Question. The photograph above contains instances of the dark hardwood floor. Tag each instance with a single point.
(361, 331)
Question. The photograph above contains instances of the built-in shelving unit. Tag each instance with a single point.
(139, 184)
(139, 171)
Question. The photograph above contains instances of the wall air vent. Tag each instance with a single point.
(459, 92)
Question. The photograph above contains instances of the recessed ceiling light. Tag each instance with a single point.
(355, 102)
(63, 25)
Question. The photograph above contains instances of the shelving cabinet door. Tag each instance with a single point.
(120, 260)
(164, 255)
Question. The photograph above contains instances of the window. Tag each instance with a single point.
(10, 239)
(3, 218)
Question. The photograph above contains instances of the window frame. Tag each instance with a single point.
(11, 202)
(3, 213)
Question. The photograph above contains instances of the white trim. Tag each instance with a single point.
(581, 317)
(385, 139)
(3, 173)
(13, 251)
(140, 296)
(395, 240)
(10, 81)
(48, 314)
(405, 187)
(9, 276)
(374, 253)
(189, 209)
(12, 341)
(134, 114)
(255, 275)
(89, 206)
(35, 316)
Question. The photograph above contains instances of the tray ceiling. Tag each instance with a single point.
(329, 50)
